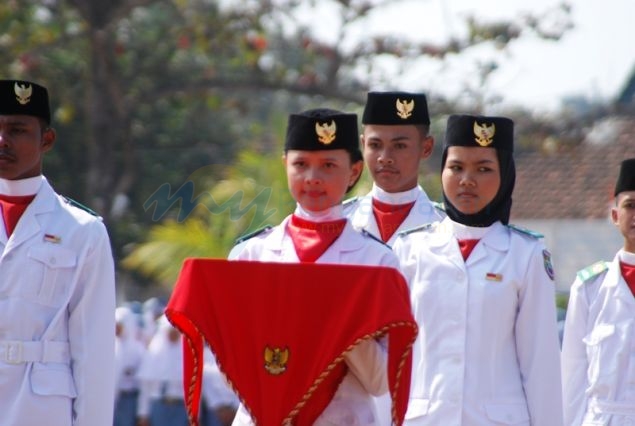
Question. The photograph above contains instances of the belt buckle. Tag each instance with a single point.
(13, 352)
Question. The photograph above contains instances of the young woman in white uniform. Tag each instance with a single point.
(482, 293)
(323, 161)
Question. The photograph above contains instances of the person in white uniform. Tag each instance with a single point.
(395, 141)
(598, 351)
(161, 401)
(482, 293)
(323, 162)
(129, 351)
(56, 280)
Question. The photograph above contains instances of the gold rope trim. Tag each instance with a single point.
(288, 421)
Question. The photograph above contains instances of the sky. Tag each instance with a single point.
(593, 60)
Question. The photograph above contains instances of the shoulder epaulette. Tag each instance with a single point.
(525, 231)
(350, 201)
(371, 236)
(252, 234)
(419, 228)
(592, 270)
(79, 205)
(439, 206)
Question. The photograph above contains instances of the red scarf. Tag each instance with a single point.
(466, 247)
(628, 272)
(279, 331)
(390, 216)
(311, 239)
(12, 209)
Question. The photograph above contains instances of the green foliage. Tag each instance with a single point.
(562, 300)
(251, 193)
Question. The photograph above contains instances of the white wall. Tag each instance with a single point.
(575, 244)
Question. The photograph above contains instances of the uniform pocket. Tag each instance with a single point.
(53, 267)
(52, 379)
(417, 407)
(600, 351)
(508, 414)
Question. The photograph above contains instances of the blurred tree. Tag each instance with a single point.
(145, 92)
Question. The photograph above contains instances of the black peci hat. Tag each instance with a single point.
(626, 178)
(394, 108)
(472, 130)
(322, 129)
(18, 97)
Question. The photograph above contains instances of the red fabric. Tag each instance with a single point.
(311, 239)
(389, 217)
(628, 272)
(12, 209)
(316, 311)
(466, 247)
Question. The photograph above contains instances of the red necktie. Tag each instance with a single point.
(466, 247)
(389, 217)
(12, 209)
(311, 239)
(628, 272)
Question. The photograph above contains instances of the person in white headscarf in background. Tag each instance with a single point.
(129, 353)
(151, 311)
(161, 400)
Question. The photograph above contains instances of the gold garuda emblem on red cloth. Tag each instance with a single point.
(276, 360)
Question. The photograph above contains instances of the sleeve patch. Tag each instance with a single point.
(546, 256)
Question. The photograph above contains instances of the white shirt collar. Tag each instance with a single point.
(626, 257)
(464, 232)
(21, 187)
(394, 198)
(332, 213)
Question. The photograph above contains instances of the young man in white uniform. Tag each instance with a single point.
(56, 281)
(598, 351)
(395, 140)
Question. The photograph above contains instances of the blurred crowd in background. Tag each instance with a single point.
(149, 369)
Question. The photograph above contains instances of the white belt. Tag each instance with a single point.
(18, 352)
(626, 408)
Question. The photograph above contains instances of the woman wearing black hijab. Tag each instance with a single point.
(482, 293)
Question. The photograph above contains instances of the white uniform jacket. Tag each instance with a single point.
(56, 317)
(487, 352)
(598, 351)
(352, 403)
(423, 211)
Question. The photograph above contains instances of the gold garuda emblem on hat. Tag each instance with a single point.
(484, 133)
(404, 108)
(22, 93)
(326, 132)
(276, 360)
